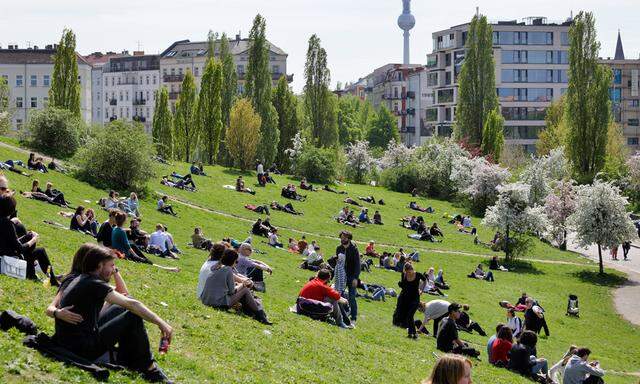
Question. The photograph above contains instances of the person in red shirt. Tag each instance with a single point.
(501, 347)
(371, 251)
(318, 289)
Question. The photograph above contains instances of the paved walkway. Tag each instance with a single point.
(626, 297)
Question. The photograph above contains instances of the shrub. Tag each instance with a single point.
(118, 157)
(318, 165)
(400, 179)
(55, 132)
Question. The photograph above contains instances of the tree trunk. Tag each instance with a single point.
(563, 245)
(600, 259)
(507, 256)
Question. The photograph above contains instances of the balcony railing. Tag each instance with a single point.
(400, 113)
(411, 111)
(172, 78)
(174, 95)
(411, 94)
(139, 102)
(410, 129)
(140, 119)
(113, 102)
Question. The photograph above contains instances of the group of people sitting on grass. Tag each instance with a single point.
(534, 314)
(289, 192)
(423, 232)
(414, 205)
(92, 317)
(181, 182)
(49, 195)
(130, 205)
(263, 176)
(228, 278)
(347, 217)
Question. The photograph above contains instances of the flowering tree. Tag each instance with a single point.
(359, 160)
(555, 165)
(483, 181)
(601, 217)
(634, 172)
(396, 155)
(558, 206)
(298, 142)
(435, 162)
(512, 215)
(535, 176)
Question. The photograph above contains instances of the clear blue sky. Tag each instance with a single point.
(358, 35)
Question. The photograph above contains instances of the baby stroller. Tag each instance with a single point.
(573, 308)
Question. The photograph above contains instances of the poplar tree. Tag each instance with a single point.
(477, 84)
(186, 127)
(243, 133)
(228, 94)
(320, 109)
(284, 101)
(258, 90)
(493, 135)
(5, 111)
(65, 88)
(162, 131)
(210, 109)
(587, 105)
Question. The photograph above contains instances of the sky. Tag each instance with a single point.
(358, 35)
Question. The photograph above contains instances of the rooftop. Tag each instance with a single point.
(32, 56)
(186, 48)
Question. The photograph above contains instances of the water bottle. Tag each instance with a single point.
(164, 346)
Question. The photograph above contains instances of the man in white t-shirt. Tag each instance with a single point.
(435, 310)
(217, 250)
(273, 238)
(158, 243)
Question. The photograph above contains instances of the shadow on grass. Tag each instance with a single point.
(235, 172)
(520, 267)
(605, 279)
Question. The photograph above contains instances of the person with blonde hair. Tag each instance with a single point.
(450, 369)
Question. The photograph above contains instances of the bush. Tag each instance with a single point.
(318, 165)
(118, 157)
(400, 179)
(55, 132)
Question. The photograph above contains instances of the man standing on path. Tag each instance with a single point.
(351, 267)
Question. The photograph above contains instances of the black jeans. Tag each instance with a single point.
(137, 255)
(120, 326)
(255, 274)
(411, 311)
(436, 322)
(32, 254)
(465, 350)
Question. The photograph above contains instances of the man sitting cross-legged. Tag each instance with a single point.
(318, 289)
(93, 333)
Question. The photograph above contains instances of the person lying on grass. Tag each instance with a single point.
(53, 166)
(241, 188)
(414, 256)
(448, 339)
(318, 291)
(260, 209)
(289, 192)
(377, 218)
(17, 242)
(288, 208)
(480, 274)
(329, 189)
(187, 185)
(84, 221)
(199, 240)
(163, 207)
(423, 234)
(37, 194)
(413, 205)
(463, 229)
(221, 290)
(346, 217)
(86, 328)
(197, 169)
(306, 186)
(349, 200)
(120, 242)
(11, 165)
(368, 199)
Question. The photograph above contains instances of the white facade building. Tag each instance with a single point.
(28, 73)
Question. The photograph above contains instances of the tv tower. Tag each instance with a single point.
(406, 21)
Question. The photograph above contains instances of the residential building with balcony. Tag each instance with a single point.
(97, 60)
(129, 86)
(625, 95)
(28, 73)
(531, 65)
(185, 55)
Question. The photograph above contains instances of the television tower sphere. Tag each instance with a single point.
(406, 21)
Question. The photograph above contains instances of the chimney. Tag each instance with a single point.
(138, 53)
(35, 47)
(238, 36)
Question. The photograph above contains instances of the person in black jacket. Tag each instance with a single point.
(352, 266)
(23, 246)
(411, 284)
(104, 233)
(523, 357)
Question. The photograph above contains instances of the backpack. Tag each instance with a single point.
(317, 310)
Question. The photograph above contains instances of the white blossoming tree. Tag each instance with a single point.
(536, 177)
(634, 172)
(485, 179)
(396, 155)
(359, 160)
(513, 216)
(601, 217)
(298, 142)
(555, 165)
(559, 205)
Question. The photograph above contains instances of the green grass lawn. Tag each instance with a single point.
(220, 347)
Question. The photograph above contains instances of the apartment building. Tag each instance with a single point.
(97, 60)
(531, 63)
(624, 94)
(28, 73)
(184, 55)
(129, 85)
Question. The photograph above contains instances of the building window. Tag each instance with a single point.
(445, 96)
(120, 97)
(34, 102)
(632, 141)
(240, 68)
(275, 69)
(173, 71)
(564, 38)
(79, 79)
(179, 71)
(126, 95)
(18, 124)
(147, 78)
(431, 114)
(447, 78)
(633, 122)
(524, 113)
(19, 81)
(432, 79)
(154, 77)
(447, 59)
(617, 76)
(19, 102)
(164, 72)
(34, 81)
(634, 103)
(127, 112)
(148, 112)
(45, 102)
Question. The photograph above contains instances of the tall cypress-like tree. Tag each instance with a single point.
(65, 89)
(186, 127)
(284, 101)
(162, 132)
(258, 89)
(317, 97)
(229, 91)
(493, 135)
(384, 128)
(210, 109)
(587, 106)
(477, 83)
(5, 111)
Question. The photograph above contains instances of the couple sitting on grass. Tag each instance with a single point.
(91, 316)
(49, 195)
(129, 206)
(181, 182)
(227, 278)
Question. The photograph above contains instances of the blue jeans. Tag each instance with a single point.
(540, 366)
(415, 256)
(352, 298)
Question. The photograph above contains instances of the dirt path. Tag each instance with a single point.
(626, 297)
